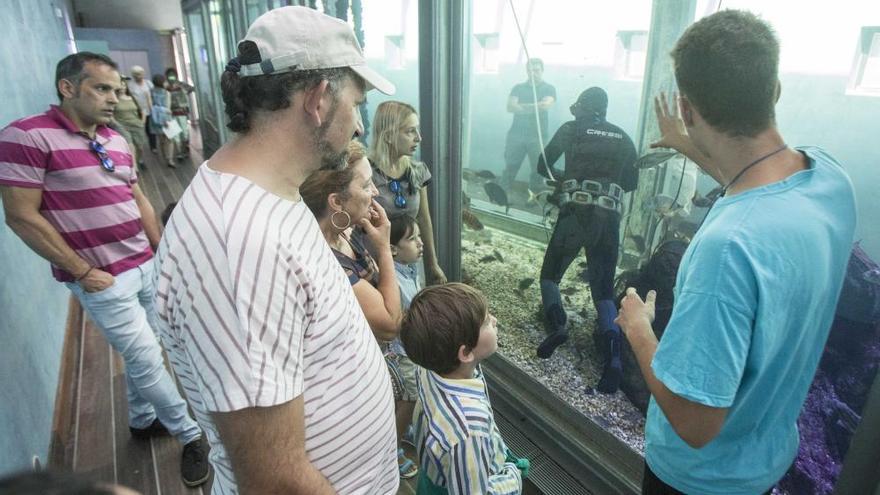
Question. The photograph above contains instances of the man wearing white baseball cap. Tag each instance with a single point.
(258, 318)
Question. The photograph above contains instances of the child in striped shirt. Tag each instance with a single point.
(448, 331)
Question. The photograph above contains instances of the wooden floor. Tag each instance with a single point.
(90, 434)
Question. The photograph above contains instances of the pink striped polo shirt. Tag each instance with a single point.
(93, 210)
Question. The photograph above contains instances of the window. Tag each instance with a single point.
(630, 52)
(508, 214)
(486, 53)
(865, 75)
(395, 51)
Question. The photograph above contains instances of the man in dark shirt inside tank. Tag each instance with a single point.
(599, 168)
(522, 138)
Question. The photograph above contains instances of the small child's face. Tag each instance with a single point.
(409, 249)
(487, 344)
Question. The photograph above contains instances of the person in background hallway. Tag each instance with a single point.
(522, 138)
(757, 288)
(599, 168)
(129, 114)
(179, 92)
(260, 322)
(160, 117)
(140, 91)
(70, 192)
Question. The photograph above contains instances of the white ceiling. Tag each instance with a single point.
(127, 14)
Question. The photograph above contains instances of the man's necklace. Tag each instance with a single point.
(759, 160)
(736, 178)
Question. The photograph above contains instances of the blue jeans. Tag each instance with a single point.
(124, 313)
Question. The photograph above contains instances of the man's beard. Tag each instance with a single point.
(330, 158)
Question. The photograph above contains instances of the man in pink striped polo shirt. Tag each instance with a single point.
(70, 193)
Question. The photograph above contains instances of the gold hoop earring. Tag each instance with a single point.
(347, 220)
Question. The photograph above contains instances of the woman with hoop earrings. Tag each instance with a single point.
(343, 201)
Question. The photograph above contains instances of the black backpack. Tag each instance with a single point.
(659, 274)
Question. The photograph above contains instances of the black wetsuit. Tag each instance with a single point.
(599, 151)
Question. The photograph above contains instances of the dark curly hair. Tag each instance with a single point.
(242, 96)
(727, 66)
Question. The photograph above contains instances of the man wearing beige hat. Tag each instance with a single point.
(258, 318)
(139, 87)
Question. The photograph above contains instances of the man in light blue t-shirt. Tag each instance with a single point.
(757, 288)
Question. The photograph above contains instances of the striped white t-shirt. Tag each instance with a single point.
(255, 311)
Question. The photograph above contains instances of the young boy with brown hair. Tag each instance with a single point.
(448, 331)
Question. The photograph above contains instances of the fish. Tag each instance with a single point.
(497, 195)
(498, 255)
(654, 158)
(475, 175)
(525, 284)
(468, 218)
(569, 290)
(487, 259)
(486, 174)
(535, 196)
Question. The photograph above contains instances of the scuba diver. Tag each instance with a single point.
(599, 168)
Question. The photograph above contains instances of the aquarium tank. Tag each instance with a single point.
(525, 67)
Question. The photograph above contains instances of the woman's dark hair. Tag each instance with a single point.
(158, 80)
(320, 184)
(402, 226)
(72, 68)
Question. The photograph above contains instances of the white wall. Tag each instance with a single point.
(132, 14)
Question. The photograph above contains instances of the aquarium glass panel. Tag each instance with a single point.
(389, 34)
(508, 213)
(509, 216)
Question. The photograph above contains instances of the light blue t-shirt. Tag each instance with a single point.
(408, 281)
(754, 301)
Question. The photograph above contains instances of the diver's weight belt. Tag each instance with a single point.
(592, 193)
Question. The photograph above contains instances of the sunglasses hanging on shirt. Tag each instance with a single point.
(395, 187)
(101, 151)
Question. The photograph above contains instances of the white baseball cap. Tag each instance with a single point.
(301, 38)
